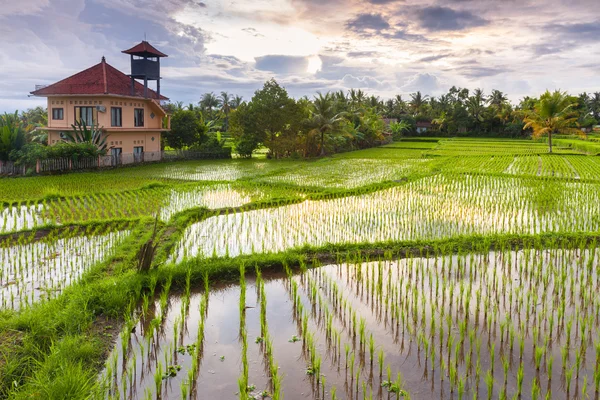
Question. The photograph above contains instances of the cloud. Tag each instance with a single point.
(424, 82)
(435, 57)
(482, 72)
(437, 18)
(361, 82)
(282, 64)
(363, 54)
(363, 23)
(581, 32)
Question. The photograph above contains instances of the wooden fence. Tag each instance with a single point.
(9, 168)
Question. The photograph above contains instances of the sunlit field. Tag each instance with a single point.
(427, 268)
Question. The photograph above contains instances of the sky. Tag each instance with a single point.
(385, 47)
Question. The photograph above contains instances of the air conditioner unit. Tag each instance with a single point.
(101, 109)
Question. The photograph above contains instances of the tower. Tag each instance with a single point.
(145, 64)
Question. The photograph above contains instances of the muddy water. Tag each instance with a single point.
(438, 321)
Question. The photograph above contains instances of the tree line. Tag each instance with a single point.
(328, 122)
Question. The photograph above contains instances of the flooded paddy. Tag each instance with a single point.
(39, 270)
(499, 325)
(430, 208)
(148, 202)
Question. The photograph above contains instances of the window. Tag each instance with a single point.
(58, 113)
(115, 116)
(85, 115)
(138, 117)
(138, 149)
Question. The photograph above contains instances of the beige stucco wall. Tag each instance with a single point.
(68, 105)
(126, 137)
(125, 140)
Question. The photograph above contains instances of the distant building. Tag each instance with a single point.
(128, 111)
(423, 126)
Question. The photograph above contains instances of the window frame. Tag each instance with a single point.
(120, 115)
(136, 120)
(78, 115)
(57, 110)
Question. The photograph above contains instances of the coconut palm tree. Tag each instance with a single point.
(209, 102)
(417, 102)
(226, 108)
(236, 102)
(497, 99)
(323, 118)
(594, 104)
(553, 113)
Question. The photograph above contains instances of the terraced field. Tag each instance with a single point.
(427, 268)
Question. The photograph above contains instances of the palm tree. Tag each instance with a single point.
(476, 107)
(357, 98)
(497, 99)
(553, 113)
(594, 104)
(478, 94)
(417, 102)
(323, 117)
(209, 102)
(225, 100)
(236, 102)
(441, 121)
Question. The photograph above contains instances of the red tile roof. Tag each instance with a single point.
(144, 48)
(102, 78)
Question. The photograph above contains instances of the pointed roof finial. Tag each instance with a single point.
(103, 59)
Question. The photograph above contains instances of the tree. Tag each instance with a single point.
(417, 102)
(476, 107)
(497, 99)
(242, 129)
(399, 128)
(209, 103)
(12, 134)
(323, 117)
(276, 118)
(187, 129)
(236, 102)
(594, 105)
(553, 113)
(225, 101)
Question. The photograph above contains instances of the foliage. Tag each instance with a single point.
(84, 134)
(12, 135)
(552, 114)
(187, 129)
(400, 128)
(31, 152)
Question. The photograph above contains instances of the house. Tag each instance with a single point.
(423, 126)
(127, 111)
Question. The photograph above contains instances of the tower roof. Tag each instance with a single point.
(144, 49)
(102, 78)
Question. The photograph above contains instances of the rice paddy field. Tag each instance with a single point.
(425, 269)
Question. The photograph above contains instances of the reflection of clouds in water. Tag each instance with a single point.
(43, 269)
(212, 197)
(430, 208)
(225, 170)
